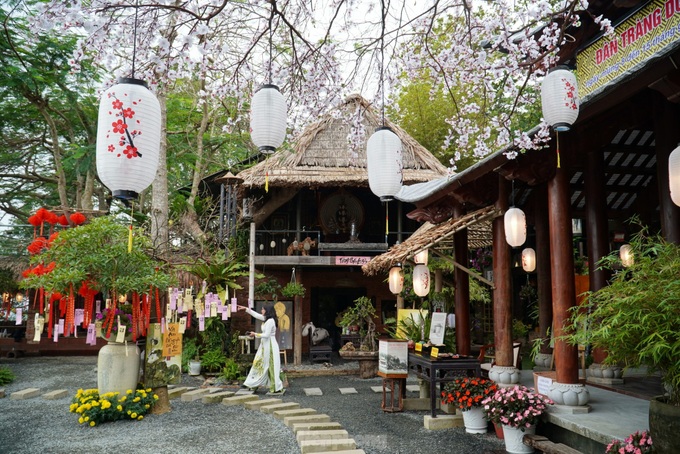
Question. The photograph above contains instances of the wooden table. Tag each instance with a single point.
(439, 370)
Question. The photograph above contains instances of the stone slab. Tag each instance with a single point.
(196, 394)
(377, 389)
(413, 388)
(290, 420)
(313, 392)
(178, 391)
(348, 391)
(245, 392)
(309, 446)
(256, 404)
(605, 381)
(350, 451)
(276, 407)
(321, 434)
(443, 422)
(216, 397)
(417, 404)
(282, 414)
(239, 400)
(570, 410)
(56, 394)
(27, 393)
(300, 426)
(2, 393)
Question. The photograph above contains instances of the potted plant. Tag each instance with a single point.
(635, 319)
(638, 443)
(293, 289)
(467, 394)
(362, 314)
(518, 410)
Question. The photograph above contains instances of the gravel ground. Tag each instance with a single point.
(43, 426)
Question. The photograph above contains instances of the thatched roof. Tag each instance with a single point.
(430, 235)
(321, 155)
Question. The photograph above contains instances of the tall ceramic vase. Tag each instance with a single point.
(513, 439)
(118, 367)
(475, 421)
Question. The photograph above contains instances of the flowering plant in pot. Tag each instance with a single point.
(468, 392)
(637, 443)
(517, 407)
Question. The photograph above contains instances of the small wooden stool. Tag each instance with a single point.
(284, 356)
(394, 388)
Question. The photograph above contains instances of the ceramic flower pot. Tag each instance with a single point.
(513, 439)
(664, 425)
(118, 368)
(475, 421)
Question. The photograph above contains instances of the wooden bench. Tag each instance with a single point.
(542, 444)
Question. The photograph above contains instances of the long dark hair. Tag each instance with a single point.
(269, 312)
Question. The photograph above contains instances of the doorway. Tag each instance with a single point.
(327, 306)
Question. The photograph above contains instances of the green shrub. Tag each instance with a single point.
(6, 376)
(213, 360)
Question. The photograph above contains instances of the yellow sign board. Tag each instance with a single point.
(649, 34)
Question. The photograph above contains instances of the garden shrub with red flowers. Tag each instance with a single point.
(517, 407)
(468, 392)
(637, 443)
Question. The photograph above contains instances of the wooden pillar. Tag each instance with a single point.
(543, 282)
(502, 295)
(297, 323)
(562, 270)
(667, 137)
(462, 294)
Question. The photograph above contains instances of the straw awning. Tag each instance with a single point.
(430, 235)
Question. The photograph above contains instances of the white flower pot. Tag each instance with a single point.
(513, 439)
(194, 367)
(475, 421)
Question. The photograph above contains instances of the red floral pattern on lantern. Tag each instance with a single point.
(122, 126)
(570, 100)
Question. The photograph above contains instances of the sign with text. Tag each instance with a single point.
(172, 340)
(351, 261)
(649, 34)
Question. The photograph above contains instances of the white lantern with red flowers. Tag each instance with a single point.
(528, 260)
(674, 175)
(515, 227)
(128, 138)
(383, 163)
(421, 280)
(626, 255)
(559, 98)
(396, 279)
(421, 257)
(268, 113)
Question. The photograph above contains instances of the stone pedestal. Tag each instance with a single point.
(604, 374)
(569, 395)
(504, 375)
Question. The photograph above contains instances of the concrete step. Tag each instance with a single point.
(300, 426)
(216, 398)
(346, 451)
(239, 399)
(321, 434)
(316, 446)
(276, 407)
(27, 393)
(256, 404)
(177, 391)
(290, 420)
(196, 394)
(282, 414)
(56, 394)
(443, 422)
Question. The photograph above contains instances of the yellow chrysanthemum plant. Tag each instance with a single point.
(93, 408)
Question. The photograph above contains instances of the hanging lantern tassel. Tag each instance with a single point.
(557, 146)
(266, 181)
(387, 220)
(132, 210)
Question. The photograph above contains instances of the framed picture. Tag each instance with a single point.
(393, 357)
(284, 331)
(437, 328)
(280, 222)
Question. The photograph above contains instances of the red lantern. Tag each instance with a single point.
(128, 138)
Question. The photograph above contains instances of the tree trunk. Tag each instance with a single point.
(159, 202)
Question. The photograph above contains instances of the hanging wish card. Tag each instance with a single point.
(79, 316)
(201, 323)
(91, 334)
(225, 312)
(182, 325)
(172, 295)
(120, 335)
(19, 313)
(38, 324)
(213, 309)
(61, 326)
(98, 306)
(233, 305)
(56, 332)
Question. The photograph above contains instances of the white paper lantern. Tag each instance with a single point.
(515, 227)
(396, 280)
(528, 260)
(626, 255)
(383, 162)
(421, 257)
(559, 98)
(421, 280)
(128, 138)
(674, 175)
(268, 119)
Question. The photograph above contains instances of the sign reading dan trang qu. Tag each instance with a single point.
(649, 34)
